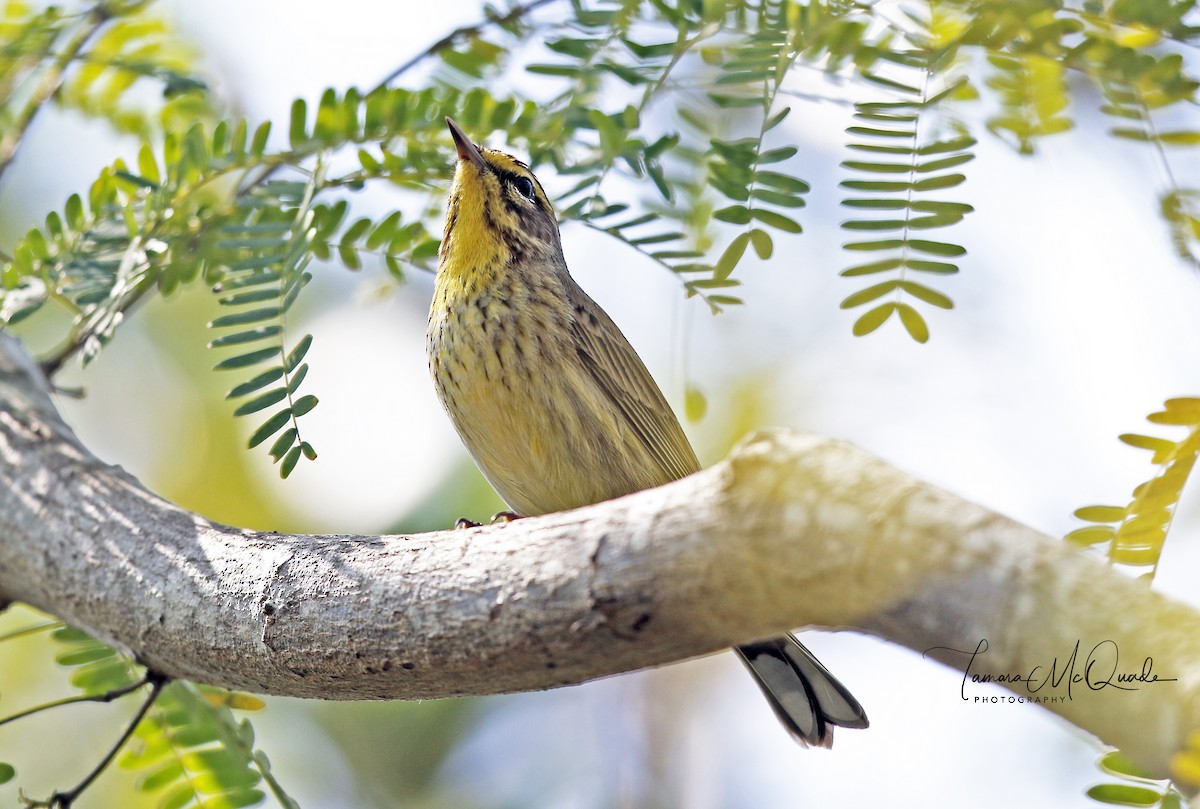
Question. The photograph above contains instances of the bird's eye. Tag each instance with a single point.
(524, 187)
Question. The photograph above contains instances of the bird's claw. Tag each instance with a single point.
(498, 517)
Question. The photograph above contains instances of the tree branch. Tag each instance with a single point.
(789, 530)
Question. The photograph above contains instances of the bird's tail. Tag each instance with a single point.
(808, 700)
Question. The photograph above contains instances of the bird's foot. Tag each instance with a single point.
(463, 522)
(505, 516)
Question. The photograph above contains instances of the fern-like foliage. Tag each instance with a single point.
(263, 248)
(190, 749)
(1033, 91)
(94, 60)
(900, 167)
(1139, 87)
(97, 668)
(1135, 533)
(746, 171)
(193, 752)
(130, 50)
(195, 209)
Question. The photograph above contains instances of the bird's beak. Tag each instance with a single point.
(466, 149)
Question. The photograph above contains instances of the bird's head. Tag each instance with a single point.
(498, 216)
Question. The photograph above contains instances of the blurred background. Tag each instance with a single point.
(1073, 320)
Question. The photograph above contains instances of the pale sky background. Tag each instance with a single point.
(1073, 320)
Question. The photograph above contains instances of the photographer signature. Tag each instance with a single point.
(1098, 671)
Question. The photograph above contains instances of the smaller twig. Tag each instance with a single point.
(458, 34)
(64, 800)
(107, 696)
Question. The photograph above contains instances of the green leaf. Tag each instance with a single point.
(297, 378)
(924, 293)
(179, 797)
(783, 182)
(777, 155)
(161, 777)
(875, 185)
(885, 265)
(877, 168)
(1158, 445)
(935, 183)
(921, 265)
(260, 381)
(776, 119)
(736, 214)
(869, 294)
(877, 204)
(880, 148)
(878, 244)
(890, 84)
(930, 206)
(875, 224)
(1091, 535)
(297, 127)
(695, 404)
(1124, 795)
(247, 317)
(936, 248)
(1117, 763)
(881, 133)
(250, 358)
(258, 144)
(303, 405)
(777, 198)
(776, 220)
(1101, 514)
(872, 320)
(945, 163)
(1138, 556)
(88, 654)
(731, 255)
(1181, 138)
(297, 354)
(283, 443)
(251, 296)
(913, 322)
(270, 427)
(246, 336)
(571, 71)
(7, 772)
(261, 401)
(763, 245)
(289, 462)
(724, 300)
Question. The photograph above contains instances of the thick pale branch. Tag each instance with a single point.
(789, 530)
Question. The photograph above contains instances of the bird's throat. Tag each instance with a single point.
(474, 249)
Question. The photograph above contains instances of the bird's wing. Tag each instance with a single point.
(623, 378)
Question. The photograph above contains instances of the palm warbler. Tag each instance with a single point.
(555, 405)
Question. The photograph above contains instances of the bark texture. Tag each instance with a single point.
(789, 530)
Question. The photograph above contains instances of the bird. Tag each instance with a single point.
(554, 404)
